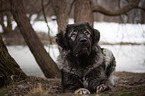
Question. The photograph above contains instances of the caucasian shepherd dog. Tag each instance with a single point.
(86, 67)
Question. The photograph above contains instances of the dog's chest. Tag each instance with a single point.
(81, 72)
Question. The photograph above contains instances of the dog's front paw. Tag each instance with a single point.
(82, 91)
(101, 88)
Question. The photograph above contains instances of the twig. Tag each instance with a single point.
(125, 85)
(46, 21)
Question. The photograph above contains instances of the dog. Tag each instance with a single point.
(83, 63)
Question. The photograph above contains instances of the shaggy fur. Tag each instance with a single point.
(83, 62)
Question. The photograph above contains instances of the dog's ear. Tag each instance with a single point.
(60, 40)
(96, 36)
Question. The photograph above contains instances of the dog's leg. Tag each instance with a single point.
(70, 82)
(82, 91)
(63, 90)
(96, 78)
(101, 88)
(110, 64)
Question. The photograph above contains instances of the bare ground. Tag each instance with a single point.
(128, 84)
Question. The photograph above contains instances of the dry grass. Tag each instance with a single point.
(38, 91)
(129, 84)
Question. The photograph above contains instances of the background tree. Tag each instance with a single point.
(85, 9)
(62, 9)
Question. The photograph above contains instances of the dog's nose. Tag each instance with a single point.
(83, 40)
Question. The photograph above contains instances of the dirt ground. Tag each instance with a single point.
(128, 84)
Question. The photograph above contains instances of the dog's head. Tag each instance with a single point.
(78, 38)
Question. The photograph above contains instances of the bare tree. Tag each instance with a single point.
(62, 10)
(130, 6)
(83, 11)
(44, 60)
(8, 66)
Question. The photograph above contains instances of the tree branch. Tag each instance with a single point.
(46, 21)
(109, 12)
(141, 8)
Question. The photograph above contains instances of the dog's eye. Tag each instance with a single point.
(87, 32)
(73, 35)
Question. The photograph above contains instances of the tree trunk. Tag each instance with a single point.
(44, 60)
(142, 12)
(8, 66)
(83, 11)
(62, 10)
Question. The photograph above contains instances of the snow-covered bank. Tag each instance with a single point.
(115, 32)
(110, 32)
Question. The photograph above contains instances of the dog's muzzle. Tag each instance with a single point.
(83, 40)
(82, 47)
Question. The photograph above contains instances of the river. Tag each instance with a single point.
(130, 58)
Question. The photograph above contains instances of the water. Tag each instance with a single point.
(129, 58)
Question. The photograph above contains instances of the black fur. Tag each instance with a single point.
(83, 62)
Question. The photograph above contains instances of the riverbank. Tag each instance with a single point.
(128, 84)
